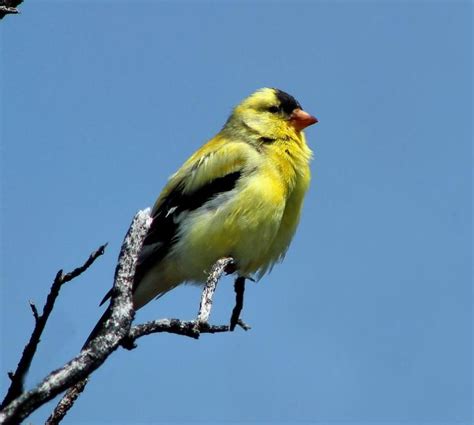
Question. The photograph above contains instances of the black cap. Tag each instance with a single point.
(287, 102)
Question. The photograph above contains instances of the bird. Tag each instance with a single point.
(240, 195)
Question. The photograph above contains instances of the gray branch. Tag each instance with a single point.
(107, 340)
(115, 329)
(191, 329)
(66, 402)
(221, 266)
(8, 7)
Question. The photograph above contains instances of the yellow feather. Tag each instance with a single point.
(254, 221)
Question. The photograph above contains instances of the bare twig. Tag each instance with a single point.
(18, 377)
(5, 10)
(8, 7)
(239, 287)
(66, 402)
(115, 327)
(190, 328)
(34, 310)
(195, 328)
(124, 273)
(220, 267)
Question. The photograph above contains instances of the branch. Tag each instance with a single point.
(175, 326)
(194, 328)
(66, 402)
(191, 329)
(8, 7)
(116, 326)
(17, 378)
(218, 269)
(114, 329)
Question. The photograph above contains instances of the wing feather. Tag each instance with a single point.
(214, 169)
(166, 219)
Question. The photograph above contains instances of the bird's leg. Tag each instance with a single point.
(239, 287)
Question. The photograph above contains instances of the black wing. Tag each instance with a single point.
(163, 231)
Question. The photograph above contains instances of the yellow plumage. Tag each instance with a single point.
(239, 195)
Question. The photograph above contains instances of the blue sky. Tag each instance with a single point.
(369, 318)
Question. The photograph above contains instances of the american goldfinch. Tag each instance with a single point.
(239, 195)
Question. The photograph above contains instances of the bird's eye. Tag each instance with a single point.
(273, 109)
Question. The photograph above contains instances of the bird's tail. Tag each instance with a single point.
(97, 327)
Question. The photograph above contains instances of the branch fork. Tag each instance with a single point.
(115, 330)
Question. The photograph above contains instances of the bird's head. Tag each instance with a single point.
(270, 113)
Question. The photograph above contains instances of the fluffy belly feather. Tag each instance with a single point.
(241, 223)
(242, 226)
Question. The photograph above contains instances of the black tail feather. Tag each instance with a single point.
(97, 327)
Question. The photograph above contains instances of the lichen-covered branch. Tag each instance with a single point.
(8, 7)
(221, 266)
(191, 329)
(66, 402)
(115, 329)
(105, 342)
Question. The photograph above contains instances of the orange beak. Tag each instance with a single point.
(300, 119)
